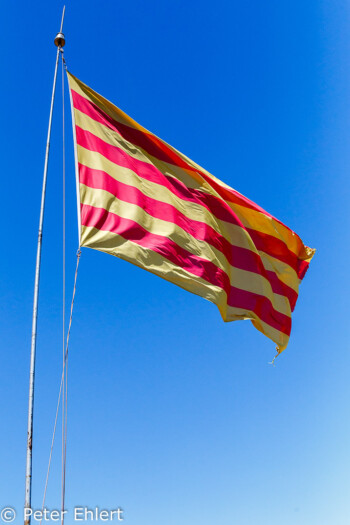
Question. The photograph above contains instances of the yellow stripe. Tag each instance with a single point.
(147, 259)
(236, 314)
(260, 221)
(285, 273)
(278, 337)
(250, 218)
(249, 281)
(115, 139)
(192, 210)
(109, 108)
(265, 224)
(235, 235)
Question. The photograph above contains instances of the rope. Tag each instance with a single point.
(51, 449)
(62, 377)
(65, 363)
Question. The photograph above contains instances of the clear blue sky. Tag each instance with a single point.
(174, 415)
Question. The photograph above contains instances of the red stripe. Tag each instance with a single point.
(236, 256)
(303, 267)
(130, 230)
(267, 243)
(218, 207)
(147, 141)
(149, 172)
(159, 149)
(282, 288)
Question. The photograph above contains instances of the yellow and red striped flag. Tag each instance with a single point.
(144, 201)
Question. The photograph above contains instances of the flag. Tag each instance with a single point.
(145, 202)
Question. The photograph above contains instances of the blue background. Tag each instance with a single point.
(174, 415)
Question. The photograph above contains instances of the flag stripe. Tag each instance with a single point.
(114, 244)
(234, 234)
(258, 221)
(102, 131)
(145, 140)
(284, 272)
(149, 172)
(249, 281)
(150, 143)
(103, 220)
(237, 257)
(159, 149)
(264, 242)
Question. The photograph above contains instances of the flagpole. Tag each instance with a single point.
(59, 42)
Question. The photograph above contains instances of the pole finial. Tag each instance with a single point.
(60, 40)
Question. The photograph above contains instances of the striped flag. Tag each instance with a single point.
(144, 201)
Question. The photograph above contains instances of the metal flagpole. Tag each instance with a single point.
(59, 42)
